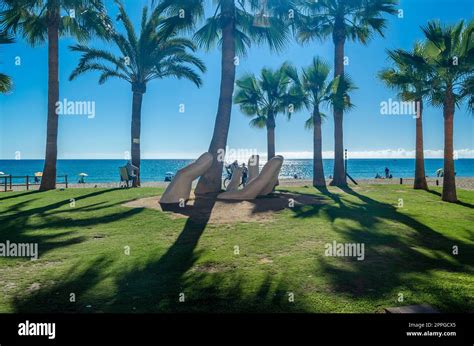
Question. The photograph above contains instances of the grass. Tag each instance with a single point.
(83, 266)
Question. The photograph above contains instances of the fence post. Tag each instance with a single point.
(27, 183)
(65, 178)
(10, 181)
(401, 181)
(5, 181)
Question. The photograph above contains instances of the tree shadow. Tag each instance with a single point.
(57, 298)
(274, 202)
(461, 203)
(16, 195)
(198, 213)
(165, 284)
(173, 282)
(284, 199)
(393, 260)
(21, 224)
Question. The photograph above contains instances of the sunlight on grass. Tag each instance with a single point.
(82, 251)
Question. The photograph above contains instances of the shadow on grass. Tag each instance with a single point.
(162, 284)
(461, 203)
(21, 224)
(8, 195)
(393, 261)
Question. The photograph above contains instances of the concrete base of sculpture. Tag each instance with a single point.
(253, 167)
(236, 179)
(180, 187)
(262, 185)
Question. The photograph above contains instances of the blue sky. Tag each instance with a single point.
(167, 133)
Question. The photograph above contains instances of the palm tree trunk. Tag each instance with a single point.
(449, 182)
(270, 137)
(339, 175)
(420, 179)
(211, 181)
(136, 128)
(318, 170)
(48, 181)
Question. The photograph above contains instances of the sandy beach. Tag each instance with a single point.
(466, 183)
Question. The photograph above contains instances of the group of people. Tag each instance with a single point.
(387, 174)
(231, 168)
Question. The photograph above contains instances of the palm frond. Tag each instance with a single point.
(155, 53)
(339, 92)
(209, 34)
(6, 84)
(259, 122)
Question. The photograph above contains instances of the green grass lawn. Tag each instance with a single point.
(408, 254)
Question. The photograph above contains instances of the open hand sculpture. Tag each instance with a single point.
(262, 185)
(253, 166)
(235, 180)
(179, 189)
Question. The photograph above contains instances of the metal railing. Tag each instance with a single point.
(8, 183)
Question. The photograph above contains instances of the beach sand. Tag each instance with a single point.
(210, 210)
(466, 183)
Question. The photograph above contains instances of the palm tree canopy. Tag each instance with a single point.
(314, 83)
(411, 73)
(31, 18)
(270, 94)
(156, 53)
(5, 82)
(275, 34)
(450, 52)
(317, 90)
(356, 20)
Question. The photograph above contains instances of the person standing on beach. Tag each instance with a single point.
(245, 174)
(387, 173)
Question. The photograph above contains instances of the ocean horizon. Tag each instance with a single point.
(107, 170)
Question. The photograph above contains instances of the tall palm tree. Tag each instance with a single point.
(315, 85)
(339, 93)
(265, 97)
(157, 53)
(355, 20)
(234, 25)
(450, 52)
(41, 21)
(412, 77)
(5, 81)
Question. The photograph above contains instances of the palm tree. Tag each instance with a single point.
(450, 52)
(42, 21)
(339, 93)
(234, 25)
(316, 90)
(412, 76)
(5, 82)
(355, 20)
(266, 97)
(157, 53)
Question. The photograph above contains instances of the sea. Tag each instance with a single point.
(107, 171)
